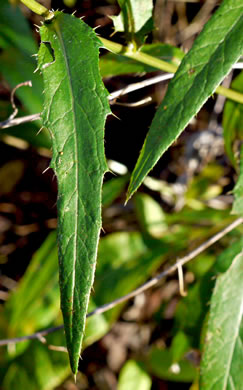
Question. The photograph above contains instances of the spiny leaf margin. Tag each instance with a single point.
(75, 111)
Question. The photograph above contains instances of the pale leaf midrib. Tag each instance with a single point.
(76, 167)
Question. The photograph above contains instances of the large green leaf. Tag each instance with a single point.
(75, 110)
(191, 310)
(233, 120)
(214, 52)
(221, 366)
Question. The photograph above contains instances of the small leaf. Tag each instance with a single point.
(133, 376)
(150, 215)
(134, 16)
(238, 190)
(75, 110)
(214, 52)
(221, 366)
(179, 346)
(160, 363)
(233, 120)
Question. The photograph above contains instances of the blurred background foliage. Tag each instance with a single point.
(154, 341)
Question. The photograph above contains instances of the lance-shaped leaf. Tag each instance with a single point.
(75, 110)
(221, 366)
(135, 17)
(214, 52)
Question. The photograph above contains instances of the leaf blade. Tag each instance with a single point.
(75, 110)
(214, 52)
(220, 367)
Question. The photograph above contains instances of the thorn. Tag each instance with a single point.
(34, 55)
(36, 25)
(112, 113)
(39, 131)
(74, 12)
(75, 378)
(45, 170)
(95, 28)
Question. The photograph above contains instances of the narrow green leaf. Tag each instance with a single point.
(238, 190)
(115, 64)
(221, 366)
(24, 309)
(14, 29)
(35, 303)
(233, 121)
(17, 65)
(179, 346)
(133, 376)
(134, 15)
(214, 52)
(75, 110)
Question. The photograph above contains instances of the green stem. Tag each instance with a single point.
(230, 94)
(36, 7)
(138, 55)
(162, 65)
